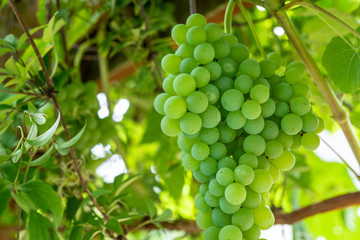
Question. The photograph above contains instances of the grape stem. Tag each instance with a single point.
(252, 27)
(339, 113)
(192, 6)
(228, 16)
(310, 5)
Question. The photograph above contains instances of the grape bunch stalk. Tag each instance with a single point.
(237, 122)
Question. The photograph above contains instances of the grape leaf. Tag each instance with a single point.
(342, 63)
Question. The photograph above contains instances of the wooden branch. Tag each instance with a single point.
(192, 6)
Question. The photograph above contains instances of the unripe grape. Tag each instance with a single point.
(178, 33)
(184, 84)
(175, 107)
(195, 35)
(213, 32)
(251, 68)
(171, 63)
(160, 101)
(204, 53)
(196, 19)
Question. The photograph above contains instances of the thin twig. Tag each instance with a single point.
(149, 42)
(19, 222)
(192, 6)
(2, 173)
(75, 161)
(339, 156)
(310, 5)
(32, 43)
(23, 93)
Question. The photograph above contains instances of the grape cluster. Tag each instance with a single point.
(237, 122)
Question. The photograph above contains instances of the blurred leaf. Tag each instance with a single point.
(342, 62)
(46, 136)
(114, 225)
(15, 156)
(4, 194)
(174, 180)
(5, 125)
(90, 234)
(126, 183)
(43, 158)
(10, 65)
(39, 195)
(32, 134)
(40, 228)
(165, 216)
(39, 118)
(76, 233)
(23, 37)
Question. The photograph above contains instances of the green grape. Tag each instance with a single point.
(274, 172)
(218, 150)
(185, 143)
(249, 159)
(267, 68)
(227, 207)
(200, 150)
(209, 135)
(185, 50)
(285, 162)
(252, 200)
(195, 35)
(204, 53)
(244, 174)
(196, 19)
(187, 65)
(321, 126)
(228, 66)
(291, 124)
(235, 193)
(192, 136)
(251, 68)
(263, 163)
(270, 131)
(202, 205)
(251, 109)
(274, 80)
(283, 92)
(262, 81)
(230, 232)
(167, 84)
(285, 139)
(160, 101)
(273, 149)
(212, 233)
(222, 48)
(215, 188)
(254, 126)
(230, 38)
(170, 127)
(190, 123)
(310, 141)
(171, 63)
(189, 162)
(201, 76)
(296, 64)
(302, 89)
(232, 100)
(197, 102)
(296, 142)
(212, 93)
(275, 58)
(243, 218)
(227, 134)
(213, 32)
(220, 218)
(262, 181)
(225, 176)
(254, 144)
(300, 105)
(211, 117)
(184, 84)
(209, 166)
(204, 219)
(263, 217)
(211, 200)
(310, 122)
(235, 120)
(293, 75)
(214, 69)
(243, 83)
(239, 52)
(227, 162)
(252, 234)
(282, 108)
(259, 93)
(178, 33)
(268, 108)
(224, 83)
(204, 187)
(200, 177)
(197, 197)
